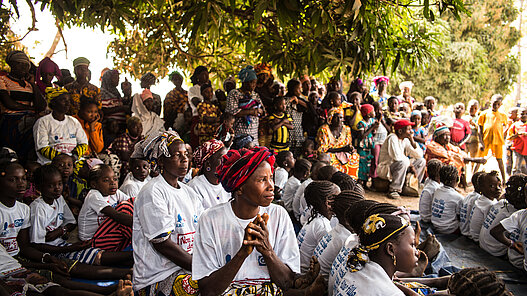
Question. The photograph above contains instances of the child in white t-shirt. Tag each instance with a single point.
(446, 203)
(431, 184)
(490, 186)
(207, 158)
(467, 204)
(138, 176)
(324, 172)
(317, 195)
(285, 162)
(101, 202)
(330, 245)
(301, 172)
(513, 201)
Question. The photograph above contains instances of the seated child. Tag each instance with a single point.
(418, 130)
(299, 202)
(74, 188)
(317, 195)
(301, 172)
(31, 192)
(88, 117)
(225, 131)
(330, 245)
(346, 182)
(57, 132)
(280, 122)
(138, 176)
(467, 204)
(52, 220)
(308, 151)
(207, 158)
(514, 200)
(431, 184)
(285, 162)
(490, 186)
(323, 173)
(476, 281)
(446, 202)
(123, 145)
(242, 141)
(106, 215)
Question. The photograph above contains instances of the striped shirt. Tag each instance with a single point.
(22, 95)
(280, 139)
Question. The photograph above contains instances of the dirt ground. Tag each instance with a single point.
(411, 203)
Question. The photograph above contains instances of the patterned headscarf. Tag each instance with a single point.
(205, 151)
(376, 230)
(109, 91)
(333, 111)
(263, 68)
(46, 66)
(54, 92)
(378, 79)
(155, 146)
(17, 56)
(247, 74)
(238, 165)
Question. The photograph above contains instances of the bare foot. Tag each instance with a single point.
(417, 232)
(124, 288)
(430, 246)
(422, 262)
(318, 287)
(307, 279)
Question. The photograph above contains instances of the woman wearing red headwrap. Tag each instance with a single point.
(247, 244)
(46, 71)
(334, 138)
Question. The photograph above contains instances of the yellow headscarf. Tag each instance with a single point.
(54, 92)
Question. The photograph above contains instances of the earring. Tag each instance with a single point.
(394, 260)
(208, 169)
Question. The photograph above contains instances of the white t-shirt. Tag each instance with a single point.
(329, 246)
(465, 211)
(12, 220)
(479, 213)
(209, 194)
(160, 209)
(339, 264)
(46, 217)
(280, 177)
(515, 258)
(371, 280)
(62, 136)
(517, 222)
(90, 216)
(288, 196)
(220, 236)
(299, 202)
(425, 201)
(131, 186)
(445, 209)
(9, 265)
(309, 237)
(497, 212)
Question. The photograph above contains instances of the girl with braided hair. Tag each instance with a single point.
(514, 200)
(346, 182)
(317, 195)
(477, 281)
(446, 202)
(387, 245)
(330, 245)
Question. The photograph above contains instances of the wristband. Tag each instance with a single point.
(64, 230)
(43, 256)
(511, 244)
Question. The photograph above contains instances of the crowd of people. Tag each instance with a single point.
(254, 189)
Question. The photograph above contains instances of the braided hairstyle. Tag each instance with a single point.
(302, 167)
(42, 174)
(483, 177)
(326, 172)
(432, 168)
(448, 174)
(316, 194)
(346, 182)
(281, 157)
(356, 215)
(96, 172)
(475, 179)
(343, 201)
(477, 281)
(515, 191)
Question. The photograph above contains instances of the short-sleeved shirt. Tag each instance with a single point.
(13, 219)
(499, 211)
(220, 236)
(517, 222)
(465, 210)
(162, 210)
(20, 94)
(478, 215)
(280, 177)
(459, 131)
(329, 247)
(338, 267)
(90, 215)
(519, 144)
(46, 217)
(131, 186)
(209, 194)
(309, 237)
(290, 188)
(280, 138)
(445, 209)
(371, 280)
(492, 123)
(425, 201)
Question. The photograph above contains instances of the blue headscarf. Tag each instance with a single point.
(247, 74)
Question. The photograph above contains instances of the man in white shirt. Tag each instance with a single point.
(399, 155)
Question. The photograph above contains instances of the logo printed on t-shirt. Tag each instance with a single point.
(180, 221)
(261, 261)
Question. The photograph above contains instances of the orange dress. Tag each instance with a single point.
(450, 155)
(95, 139)
(343, 161)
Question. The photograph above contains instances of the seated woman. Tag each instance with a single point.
(387, 245)
(440, 148)
(334, 138)
(247, 244)
(207, 158)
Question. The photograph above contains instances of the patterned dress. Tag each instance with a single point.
(206, 130)
(76, 91)
(175, 103)
(327, 140)
(297, 133)
(246, 125)
(365, 149)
